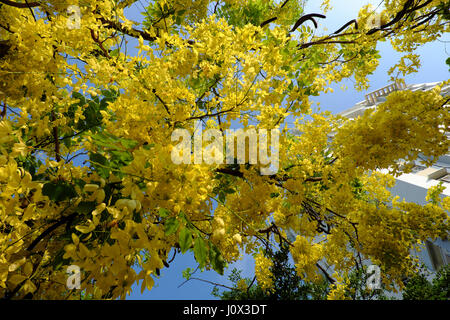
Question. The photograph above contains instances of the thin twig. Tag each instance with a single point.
(207, 281)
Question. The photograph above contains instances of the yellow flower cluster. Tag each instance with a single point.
(306, 254)
(86, 175)
(262, 271)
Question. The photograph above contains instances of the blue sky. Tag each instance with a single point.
(433, 69)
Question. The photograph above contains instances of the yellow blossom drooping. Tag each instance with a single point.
(89, 102)
(262, 271)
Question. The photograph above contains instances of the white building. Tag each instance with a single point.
(413, 186)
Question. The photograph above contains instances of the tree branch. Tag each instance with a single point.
(163, 103)
(329, 278)
(3, 113)
(307, 17)
(268, 21)
(46, 232)
(20, 5)
(100, 43)
(346, 25)
(128, 31)
(207, 281)
(4, 48)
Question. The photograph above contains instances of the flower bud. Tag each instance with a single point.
(237, 237)
(90, 187)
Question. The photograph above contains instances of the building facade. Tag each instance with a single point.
(413, 186)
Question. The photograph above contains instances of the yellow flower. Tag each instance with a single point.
(262, 271)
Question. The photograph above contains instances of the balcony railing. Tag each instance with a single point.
(371, 98)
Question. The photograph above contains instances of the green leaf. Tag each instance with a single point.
(59, 261)
(163, 213)
(200, 251)
(229, 190)
(171, 226)
(99, 162)
(105, 140)
(185, 239)
(116, 148)
(221, 196)
(216, 258)
(114, 53)
(137, 216)
(286, 204)
(121, 157)
(77, 95)
(92, 115)
(86, 207)
(59, 191)
(128, 143)
(149, 146)
(187, 273)
(67, 142)
(274, 194)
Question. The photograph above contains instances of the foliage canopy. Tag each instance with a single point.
(70, 90)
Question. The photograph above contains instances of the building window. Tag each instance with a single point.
(437, 256)
(417, 168)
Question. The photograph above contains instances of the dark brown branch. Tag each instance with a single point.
(428, 17)
(329, 278)
(128, 31)
(231, 172)
(274, 229)
(400, 14)
(109, 294)
(396, 19)
(163, 103)
(31, 10)
(209, 115)
(10, 294)
(220, 123)
(307, 17)
(276, 177)
(3, 114)
(216, 81)
(254, 277)
(6, 28)
(173, 257)
(4, 48)
(314, 216)
(346, 25)
(268, 21)
(135, 33)
(46, 232)
(100, 43)
(309, 44)
(20, 5)
(352, 242)
(284, 3)
(332, 161)
(406, 10)
(420, 6)
(215, 6)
